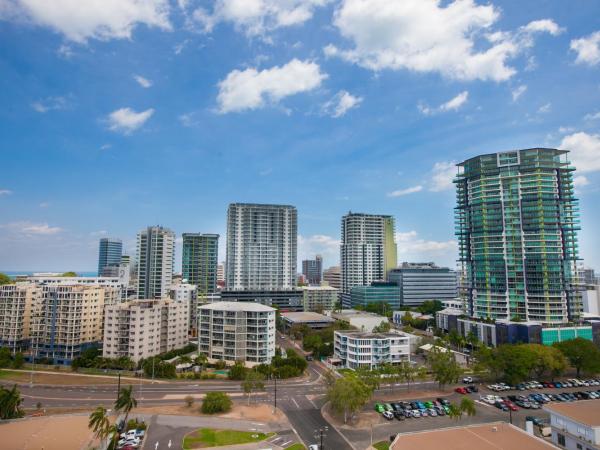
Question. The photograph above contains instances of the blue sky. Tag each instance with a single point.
(125, 113)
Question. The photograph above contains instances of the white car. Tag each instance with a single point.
(467, 380)
(313, 447)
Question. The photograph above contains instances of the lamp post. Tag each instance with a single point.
(320, 434)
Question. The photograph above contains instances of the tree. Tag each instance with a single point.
(69, 274)
(454, 411)
(430, 307)
(237, 371)
(99, 422)
(125, 401)
(18, 361)
(10, 403)
(467, 406)
(514, 361)
(5, 357)
(216, 402)
(348, 395)
(547, 360)
(407, 319)
(189, 401)
(254, 382)
(383, 327)
(407, 372)
(582, 354)
(4, 279)
(443, 365)
(201, 360)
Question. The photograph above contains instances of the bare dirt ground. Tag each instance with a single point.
(259, 413)
(48, 433)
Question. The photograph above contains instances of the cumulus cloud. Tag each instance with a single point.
(585, 151)
(319, 244)
(518, 91)
(546, 108)
(126, 120)
(411, 247)
(407, 191)
(143, 82)
(79, 21)
(5, 192)
(340, 104)
(49, 103)
(442, 174)
(594, 116)
(587, 49)
(257, 17)
(454, 39)
(454, 104)
(252, 89)
(580, 181)
(31, 228)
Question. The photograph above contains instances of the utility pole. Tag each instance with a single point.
(320, 434)
(275, 395)
(119, 386)
(153, 359)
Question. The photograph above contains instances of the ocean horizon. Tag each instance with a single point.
(15, 273)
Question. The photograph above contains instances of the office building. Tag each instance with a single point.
(575, 425)
(199, 261)
(139, 329)
(517, 221)
(487, 436)
(155, 258)
(368, 249)
(379, 292)
(283, 300)
(16, 301)
(261, 247)
(312, 320)
(237, 331)
(312, 269)
(419, 282)
(67, 319)
(333, 277)
(319, 298)
(109, 254)
(359, 349)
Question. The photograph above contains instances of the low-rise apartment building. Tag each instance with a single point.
(575, 426)
(358, 349)
(237, 331)
(140, 329)
(312, 320)
(16, 301)
(319, 298)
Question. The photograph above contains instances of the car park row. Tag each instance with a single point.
(573, 382)
(414, 409)
(130, 440)
(536, 400)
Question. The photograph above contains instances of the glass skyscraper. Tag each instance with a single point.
(516, 222)
(199, 261)
(109, 253)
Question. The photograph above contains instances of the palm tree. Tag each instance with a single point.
(125, 401)
(99, 422)
(201, 360)
(10, 403)
(468, 406)
(454, 412)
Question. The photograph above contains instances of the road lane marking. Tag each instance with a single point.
(295, 403)
(286, 443)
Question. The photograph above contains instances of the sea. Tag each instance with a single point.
(16, 273)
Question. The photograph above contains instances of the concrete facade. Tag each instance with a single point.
(357, 349)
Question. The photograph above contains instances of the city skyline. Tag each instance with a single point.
(119, 116)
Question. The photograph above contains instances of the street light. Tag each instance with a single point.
(320, 434)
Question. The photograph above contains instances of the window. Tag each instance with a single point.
(561, 439)
(579, 447)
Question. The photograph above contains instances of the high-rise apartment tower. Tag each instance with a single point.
(109, 254)
(199, 261)
(155, 257)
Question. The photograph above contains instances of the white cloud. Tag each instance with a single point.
(565, 130)
(340, 104)
(545, 108)
(31, 228)
(412, 248)
(455, 39)
(442, 175)
(585, 151)
(401, 192)
(5, 192)
(587, 49)
(518, 91)
(80, 20)
(252, 89)
(580, 181)
(49, 104)
(126, 120)
(143, 82)
(595, 116)
(545, 26)
(454, 104)
(319, 244)
(257, 17)
(105, 146)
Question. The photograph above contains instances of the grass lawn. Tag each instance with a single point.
(211, 437)
(382, 445)
(296, 446)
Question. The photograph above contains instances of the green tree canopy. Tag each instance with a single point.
(254, 382)
(348, 395)
(444, 368)
(125, 401)
(4, 279)
(430, 307)
(10, 403)
(582, 354)
(69, 274)
(216, 402)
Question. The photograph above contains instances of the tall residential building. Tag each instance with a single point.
(237, 331)
(109, 254)
(261, 247)
(16, 302)
(368, 249)
(187, 293)
(199, 261)
(312, 269)
(155, 258)
(516, 224)
(143, 328)
(333, 277)
(419, 282)
(221, 272)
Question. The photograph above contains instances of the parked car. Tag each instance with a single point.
(501, 405)
(536, 420)
(467, 380)
(379, 407)
(461, 390)
(388, 415)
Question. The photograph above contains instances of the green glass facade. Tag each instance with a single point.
(552, 335)
(199, 261)
(516, 222)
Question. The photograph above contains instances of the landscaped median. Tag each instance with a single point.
(211, 437)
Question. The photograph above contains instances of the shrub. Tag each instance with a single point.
(189, 401)
(216, 402)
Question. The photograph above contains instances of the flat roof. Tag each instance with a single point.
(306, 316)
(489, 436)
(586, 412)
(368, 334)
(237, 306)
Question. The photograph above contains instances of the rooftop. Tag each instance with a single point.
(490, 436)
(318, 288)
(586, 412)
(237, 306)
(368, 335)
(306, 317)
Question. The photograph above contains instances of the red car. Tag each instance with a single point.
(461, 390)
(511, 405)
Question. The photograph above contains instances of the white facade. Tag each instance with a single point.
(155, 259)
(319, 298)
(143, 328)
(358, 349)
(186, 293)
(261, 247)
(575, 426)
(237, 331)
(591, 299)
(56, 280)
